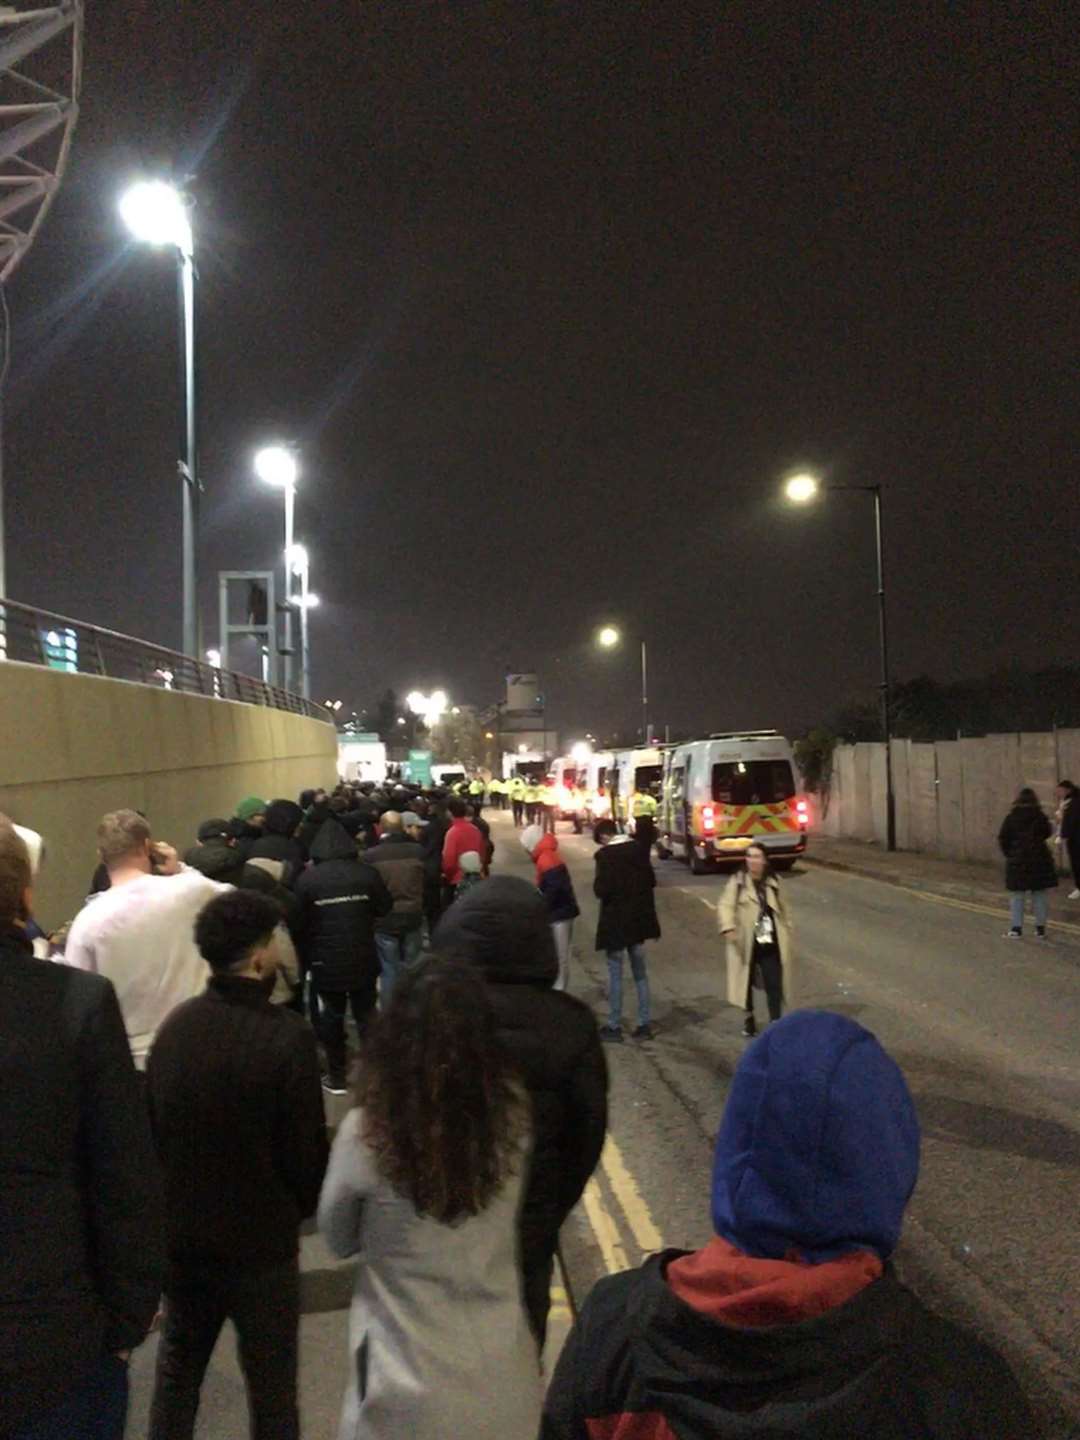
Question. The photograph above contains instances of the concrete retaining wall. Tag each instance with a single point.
(75, 746)
(951, 796)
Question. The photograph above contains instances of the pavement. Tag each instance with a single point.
(984, 1028)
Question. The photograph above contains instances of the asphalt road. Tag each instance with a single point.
(986, 1032)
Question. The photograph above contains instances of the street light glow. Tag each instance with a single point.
(608, 636)
(214, 657)
(581, 751)
(297, 557)
(431, 708)
(801, 489)
(309, 601)
(276, 466)
(156, 214)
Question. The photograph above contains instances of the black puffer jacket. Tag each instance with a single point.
(340, 899)
(624, 886)
(1022, 837)
(277, 849)
(502, 926)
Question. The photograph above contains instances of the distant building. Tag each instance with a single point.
(519, 721)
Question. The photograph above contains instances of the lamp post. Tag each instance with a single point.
(803, 490)
(276, 465)
(158, 214)
(608, 637)
(300, 564)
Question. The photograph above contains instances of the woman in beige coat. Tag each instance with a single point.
(755, 922)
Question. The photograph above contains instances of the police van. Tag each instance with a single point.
(722, 793)
(630, 770)
(587, 773)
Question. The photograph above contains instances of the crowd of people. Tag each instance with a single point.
(171, 1048)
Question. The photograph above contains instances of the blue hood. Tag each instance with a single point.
(818, 1149)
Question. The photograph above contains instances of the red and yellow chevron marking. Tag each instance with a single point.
(754, 819)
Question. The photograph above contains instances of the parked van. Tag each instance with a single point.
(630, 770)
(722, 793)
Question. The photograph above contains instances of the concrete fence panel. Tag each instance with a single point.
(950, 798)
(1038, 762)
(901, 787)
(922, 772)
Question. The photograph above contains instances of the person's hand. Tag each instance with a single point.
(123, 1355)
(166, 860)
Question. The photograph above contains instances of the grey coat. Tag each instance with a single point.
(439, 1344)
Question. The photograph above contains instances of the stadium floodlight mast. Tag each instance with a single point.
(430, 708)
(277, 466)
(158, 214)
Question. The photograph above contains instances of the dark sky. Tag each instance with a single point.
(551, 296)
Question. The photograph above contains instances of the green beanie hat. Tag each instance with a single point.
(249, 807)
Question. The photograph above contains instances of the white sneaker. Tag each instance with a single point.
(1074, 894)
(1014, 934)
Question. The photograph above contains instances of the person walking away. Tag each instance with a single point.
(791, 1320)
(278, 850)
(140, 932)
(237, 1112)
(433, 839)
(247, 823)
(497, 793)
(643, 808)
(399, 859)
(555, 885)
(487, 854)
(503, 929)
(472, 874)
(624, 885)
(81, 1210)
(476, 793)
(341, 898)
(755, 922)
(516, 791)
(1029, 865)
(424, 1186)
(1068, 830)
(532, 803)
(462, 835)
(579, 800)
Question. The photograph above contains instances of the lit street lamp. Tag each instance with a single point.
(159, 214)
(276, 465)
(299, 564)
(802, 490)
(608, 637)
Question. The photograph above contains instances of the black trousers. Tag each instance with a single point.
(1073, 847)
(766, 963)
(264, 1305)
(519, 811)
(547, 818)
(645, 833)
(331, 1021)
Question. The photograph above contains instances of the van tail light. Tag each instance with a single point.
(802, 809)
(708, 818)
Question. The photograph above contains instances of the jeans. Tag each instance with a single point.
(1040, 904)
(264, 1305)
(95, 1410)
(396, 953)
(641, 980)
(562, 932)
(331, 1023)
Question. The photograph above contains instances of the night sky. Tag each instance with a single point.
(552, 296)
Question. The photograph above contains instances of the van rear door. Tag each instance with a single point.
(754, 797)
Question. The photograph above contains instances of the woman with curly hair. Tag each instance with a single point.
(424, 1186)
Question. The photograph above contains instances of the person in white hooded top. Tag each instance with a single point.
(140, 933)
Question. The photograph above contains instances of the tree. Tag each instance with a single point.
(459, 738)
(814, 757)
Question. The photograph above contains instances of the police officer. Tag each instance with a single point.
(476, 793)
(643, 808)
(516, 790)
(549, 799)
(532, 802)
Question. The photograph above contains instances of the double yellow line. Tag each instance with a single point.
(630, 1202)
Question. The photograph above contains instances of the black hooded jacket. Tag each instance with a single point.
(224, 863)
(277, 849)
(881, 1365)
(502, 926)
(1023, 838)
(340, 899)
(624, 885)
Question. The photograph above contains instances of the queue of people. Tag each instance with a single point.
(174, 1142)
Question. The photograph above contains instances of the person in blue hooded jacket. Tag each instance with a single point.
(790, 1322)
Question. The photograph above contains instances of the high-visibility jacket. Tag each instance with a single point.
(548, 795)
(476, 787)
(644, 806)
(517, 788)
(495, 787)
(532, 794)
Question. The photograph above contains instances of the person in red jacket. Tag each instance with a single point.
(462, 835)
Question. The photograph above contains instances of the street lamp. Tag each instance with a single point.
(275, 465)
(801, 490)
(159, 214)
(609, 637)
(299, 564)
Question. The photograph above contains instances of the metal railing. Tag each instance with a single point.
(37, 637)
